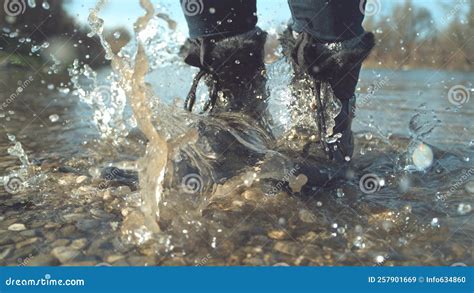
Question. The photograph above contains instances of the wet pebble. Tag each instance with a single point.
(26, 242)
(99, 213)
(81, 179)
(252, 195)
(67, 231)
(67, 180)
(42, 260)
(253, 261)
(4, 239)
(64, 254)
(70, 218)
(307, 216)
(87, 225)
(17, 227)
(149, 261)
(308, 237)
(52, 225)
(78, 244)
(5, 252)
(277, 234)
(114, 258)
(60, 242)
(286, 247)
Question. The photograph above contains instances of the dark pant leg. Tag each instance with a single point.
(219, 17)
(328, 20)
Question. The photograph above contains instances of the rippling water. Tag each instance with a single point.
(404, 200)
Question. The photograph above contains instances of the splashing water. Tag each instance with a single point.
(219, 188)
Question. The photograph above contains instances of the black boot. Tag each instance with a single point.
(234, 72)
(326, 76)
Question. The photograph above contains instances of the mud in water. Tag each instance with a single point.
(91, 179)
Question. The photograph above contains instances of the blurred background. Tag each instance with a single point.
(411, 34)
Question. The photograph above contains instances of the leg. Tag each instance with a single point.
(328, 20)
(328, 49)
(219, 18)
(228, 49)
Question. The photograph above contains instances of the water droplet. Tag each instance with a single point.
(464, 209)
(11, 137)
(54, 118)
(422, 157)
(45, 5)
(117, 35)
(469, 187)
(340, 192)
(359, 242)
(435, 222)
(237, 61)
(282, 221)
(379, 259)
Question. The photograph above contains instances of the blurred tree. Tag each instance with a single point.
(43, 32)
(409, 38)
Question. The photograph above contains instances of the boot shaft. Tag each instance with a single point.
(233, 70)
